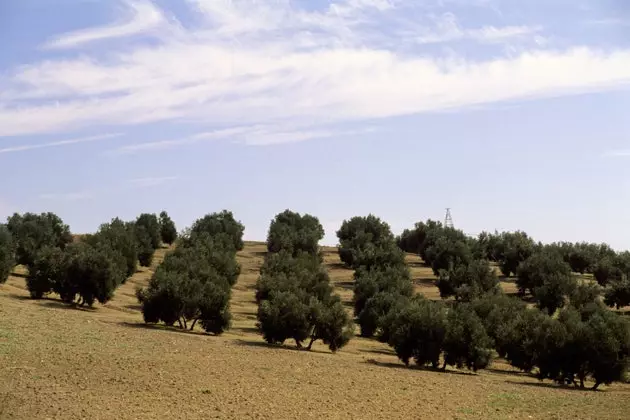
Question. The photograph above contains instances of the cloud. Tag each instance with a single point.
(150, 181)
(447, 29)
(617, 153)
(295, 73)
(140, 16)
(26, 147)
(135, 183)
(259, 135)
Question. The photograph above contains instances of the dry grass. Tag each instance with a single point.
(59, 362)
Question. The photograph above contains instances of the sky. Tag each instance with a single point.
(514, 114)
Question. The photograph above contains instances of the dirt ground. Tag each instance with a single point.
(63, 363)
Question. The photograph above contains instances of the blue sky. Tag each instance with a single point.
(515, 114)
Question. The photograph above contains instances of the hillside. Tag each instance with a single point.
(59, 362)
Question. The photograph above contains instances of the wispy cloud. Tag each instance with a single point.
(274, 64)
(139, 17)
(617, 153)
(148, 182)
(60, 143)
(134, 183)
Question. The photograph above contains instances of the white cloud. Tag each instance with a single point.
(140, 16)
(59, 143)
(292, 74)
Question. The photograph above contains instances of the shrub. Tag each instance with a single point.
(192, 284)
(7, 255)
(534, 271)
(552, 294)
(585, 294)
(49, 269)
(151, 226)
(294, 233)
(468, 282)
(418, 332)
(513, 249)
(119, 237)
(144, 245)
(356, 233)
(372, 317)
(168, 231)
(466, 343)
(31, 232)
(282, 316)
(445, 254)
(618, 293)
(369, 282)
(217, 223)
(604, 271)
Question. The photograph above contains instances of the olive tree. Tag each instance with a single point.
(468, 281)
(370, 234)
(150, 224)
(168, 231)
(119, 237)
(217, 223)
(292, 232)
(7, 255)
(31, 232)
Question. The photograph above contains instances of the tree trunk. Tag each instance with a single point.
(193, 324)
(597, 384)
(185, 324)
(298, 343)
(444, 367)
(581, 381)
(180, 323)
(313, 338)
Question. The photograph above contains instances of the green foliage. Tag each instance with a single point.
(368, 283)
(119, 237)
(294, 295)
(283, 272)
(7, 253)
(617, 293)
(168, 231)
(468, 281)
(535, 270)
(605, 271)
(220, 223)
(446, 253)
(151, 226)
(193, 284)
(31, 232)
(49, 269)
(438, 239)
(294, 233)
(466, 343)
(367, 241)
(144, 245)
(585, 294)
(512, 249)
(418, 331)
(372, 317)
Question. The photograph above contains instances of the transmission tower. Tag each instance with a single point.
(448, 219)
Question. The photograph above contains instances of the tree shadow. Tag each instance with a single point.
(380, 351)
(134, 307)
(263, 344)
(161, 327)
(58, 304)
(21, 275)
(549, 385)
(19, 297)
(246, 330)
(348, 285)
(505, 372)
(425, 280)
(419, 368)
(337, 266)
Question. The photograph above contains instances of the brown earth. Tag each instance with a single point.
(64, 363)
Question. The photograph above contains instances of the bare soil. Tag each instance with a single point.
(58, 362)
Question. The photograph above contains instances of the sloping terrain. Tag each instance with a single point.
(64, 363)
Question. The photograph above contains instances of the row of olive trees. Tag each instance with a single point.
(294, 295)
(543, 271)
(381, 277)
(84, 270)
(193, 284)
